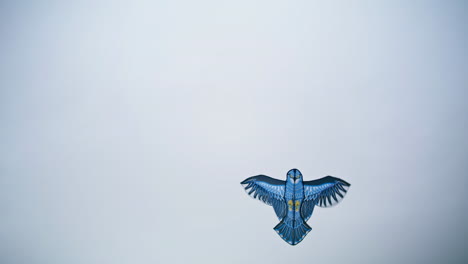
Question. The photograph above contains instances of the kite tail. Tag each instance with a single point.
(292, 231)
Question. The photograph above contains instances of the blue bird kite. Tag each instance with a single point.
(294, 200)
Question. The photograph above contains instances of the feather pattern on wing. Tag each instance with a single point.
(325, 192)
(269, 191)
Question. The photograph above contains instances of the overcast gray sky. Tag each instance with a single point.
(126, 127)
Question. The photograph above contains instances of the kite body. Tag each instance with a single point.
(294, 200)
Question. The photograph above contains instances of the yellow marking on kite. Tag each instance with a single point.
(297, 205)
(290, 205)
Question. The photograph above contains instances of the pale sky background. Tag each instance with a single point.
(126, 127)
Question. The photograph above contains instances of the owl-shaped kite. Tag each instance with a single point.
(294, 200)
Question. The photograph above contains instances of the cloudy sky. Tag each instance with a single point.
(126, 127)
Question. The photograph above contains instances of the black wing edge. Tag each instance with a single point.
(327, 179)
(264, 178)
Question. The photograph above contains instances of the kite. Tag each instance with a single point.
(294, 200)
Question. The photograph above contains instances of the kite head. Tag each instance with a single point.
(294, 175)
